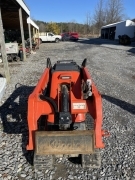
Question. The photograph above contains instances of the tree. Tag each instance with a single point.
(54, 28)
(64, 27)
(42, 27)
(88, 23)
(114, 11)
(72, 26)
(99, 15)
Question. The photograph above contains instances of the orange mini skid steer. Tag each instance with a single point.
(65, 116)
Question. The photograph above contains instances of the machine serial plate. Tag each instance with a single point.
(79, 105)
(64, 142)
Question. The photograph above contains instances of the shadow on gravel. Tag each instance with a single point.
(122, 104)
(14, 116)
(75, 160)
(131, 51)
(97, 41)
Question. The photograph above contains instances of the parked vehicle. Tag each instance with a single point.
(74, 36)
(65, 37)
(49, 36)
(124, 39)
(70, 36)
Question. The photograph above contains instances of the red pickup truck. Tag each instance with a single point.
(70, 36)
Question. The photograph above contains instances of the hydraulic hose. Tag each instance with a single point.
(49, 100)
(64, 99)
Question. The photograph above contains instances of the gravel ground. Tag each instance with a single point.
(113, 70)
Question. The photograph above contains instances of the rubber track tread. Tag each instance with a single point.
(91, 160)
(43, 162)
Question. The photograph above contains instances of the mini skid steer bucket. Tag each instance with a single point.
(65, 116)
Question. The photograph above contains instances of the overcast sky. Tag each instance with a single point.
(67, 11)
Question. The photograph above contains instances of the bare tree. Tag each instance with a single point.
(42, 27)
(99, 15)
(88, 23)
(114, 11)
(93, 28)
(72, 26)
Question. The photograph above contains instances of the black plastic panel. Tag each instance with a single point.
(66, 66)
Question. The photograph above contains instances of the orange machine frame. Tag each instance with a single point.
(37, 107)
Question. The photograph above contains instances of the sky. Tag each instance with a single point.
(71, 10)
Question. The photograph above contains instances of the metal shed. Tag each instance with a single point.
(14, 15)
(112, 31)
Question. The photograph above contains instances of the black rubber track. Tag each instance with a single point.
(91, 160)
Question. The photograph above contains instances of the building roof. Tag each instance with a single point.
(127, 22)
(10, 14)
(108, 25)
(133, 20)
(29, 20)
(23, 5)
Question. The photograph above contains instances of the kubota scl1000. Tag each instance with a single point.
(65, 115)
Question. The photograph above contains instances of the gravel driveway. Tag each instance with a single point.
(113, 70)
